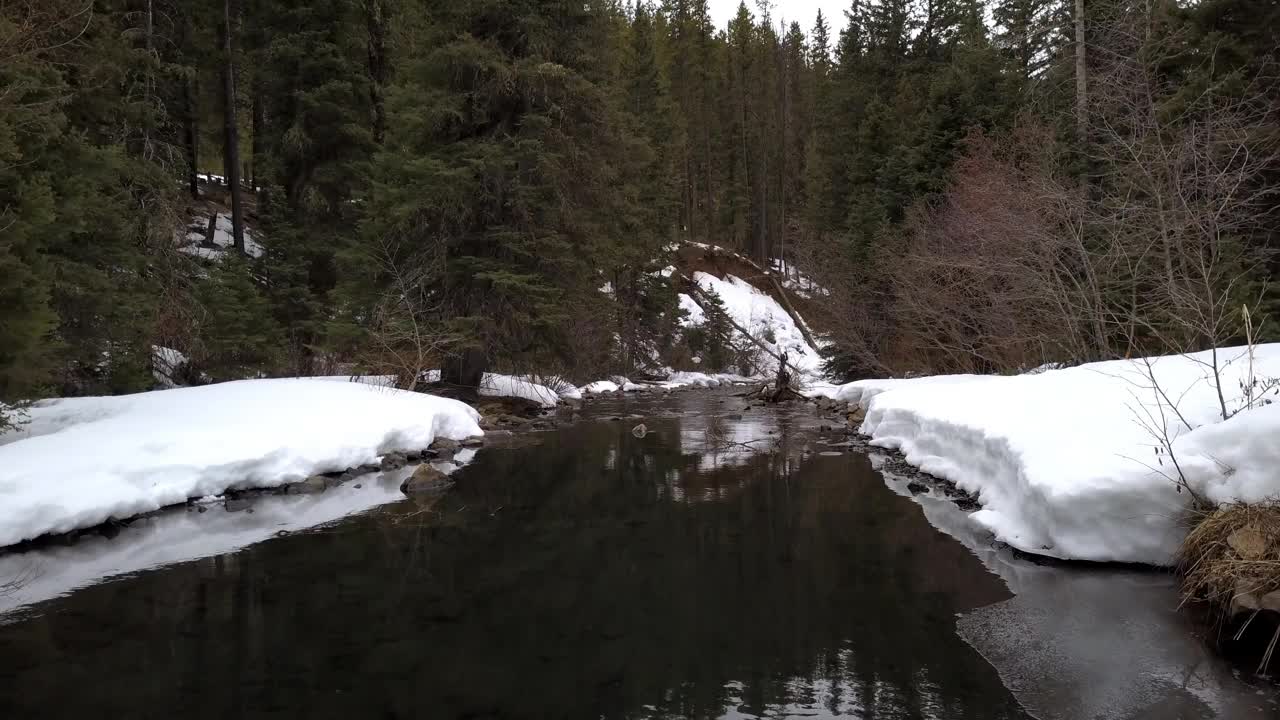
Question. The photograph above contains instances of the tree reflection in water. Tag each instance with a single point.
(712, 568)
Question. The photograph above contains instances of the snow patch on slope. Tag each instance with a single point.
(768, 321)
(193, 242)
(693, 312)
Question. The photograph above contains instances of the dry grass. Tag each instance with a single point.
(1231, 559)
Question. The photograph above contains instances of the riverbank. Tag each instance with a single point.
(92, 465)
(1111, 462)
(541, 534)
(80, 462)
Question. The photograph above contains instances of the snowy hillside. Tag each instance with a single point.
(195, 243)
(760, 314)
(1066, 463)
(83, 461)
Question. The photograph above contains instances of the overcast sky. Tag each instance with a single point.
(801, 11)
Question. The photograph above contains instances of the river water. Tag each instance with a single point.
(729, 563)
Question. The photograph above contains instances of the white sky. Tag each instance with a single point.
(801, 11)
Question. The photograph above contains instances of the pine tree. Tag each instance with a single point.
(231, 121)
(31, 129)
(1025, 29)
(318, 129)
(651, 179)
(498, 159)
(240, 336)
(79, 140)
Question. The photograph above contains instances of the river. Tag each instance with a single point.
(730, 563)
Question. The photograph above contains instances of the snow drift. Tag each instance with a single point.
(1065, 462)
(83, 461)
(676, 380)
(517, 386)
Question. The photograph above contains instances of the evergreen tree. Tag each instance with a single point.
(499, 159)
(240, 337)
(317, 132)
(32, 130)
(1025, 32)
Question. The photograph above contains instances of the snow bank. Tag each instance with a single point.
(703, 380)
(86, 460)
(599, 386)
(1064, 462)
(1237, 460)
(674, 381)
(495, 385)
(768, 321)
(569, 393)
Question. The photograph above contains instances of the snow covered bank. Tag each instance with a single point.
(600, 386)
(764, 318)
(1090, 642)
(83, 461)
(1065, 463)
(496, 385)
(677, 380)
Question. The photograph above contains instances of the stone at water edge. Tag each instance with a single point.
(393, 461)
(425, 479)
(313, 484)
(444, 444)
(640, 430)
(473, 441)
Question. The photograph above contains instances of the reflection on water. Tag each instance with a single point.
(683, 574)
(1098, 642)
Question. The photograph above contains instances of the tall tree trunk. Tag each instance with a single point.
(690, 192)
(258, 126)
(231, 130)
(190, 137)
(150, 81)
(762, 230)
(1082, 88)
(376, 17)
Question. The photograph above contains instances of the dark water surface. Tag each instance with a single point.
(688, 573)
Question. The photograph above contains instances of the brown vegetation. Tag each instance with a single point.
(1232, 560)
(1024, 259)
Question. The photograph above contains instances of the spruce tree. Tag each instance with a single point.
(497, 161)
(1024, 33)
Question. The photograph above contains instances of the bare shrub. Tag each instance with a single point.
(992, 276)
(1231, 559)
(407, 332)
(1021, 261)
(1182, 188)
(851, 307)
